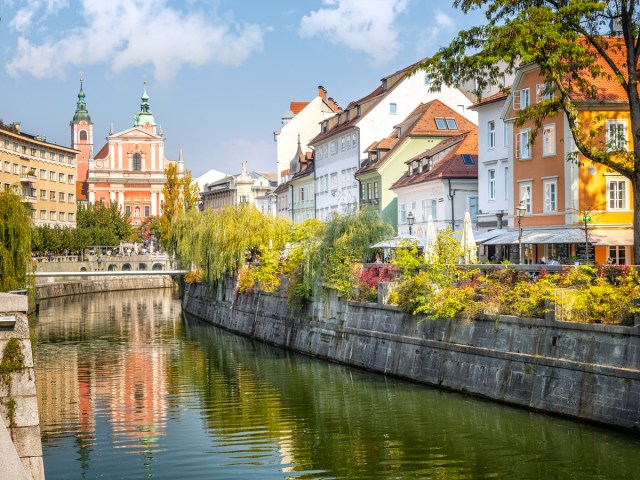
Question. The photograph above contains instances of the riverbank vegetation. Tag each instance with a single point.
(15, 242)
(270, 254)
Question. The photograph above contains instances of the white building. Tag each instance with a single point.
(341, 145)
(441, 182)
(495, 169)
(301, 123)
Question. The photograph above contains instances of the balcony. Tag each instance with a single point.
(27, 198)
(28, 177)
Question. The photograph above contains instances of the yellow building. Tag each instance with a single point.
(42, 173)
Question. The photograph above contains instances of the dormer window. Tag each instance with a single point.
(348, 115)
(358, 111)
(384, 84)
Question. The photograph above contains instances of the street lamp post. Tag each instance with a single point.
(520, 211)
(410, 220)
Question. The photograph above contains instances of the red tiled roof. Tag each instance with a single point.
(297, 107)
(451, 166)
(421, 122)
(103, 152)
(503, 93)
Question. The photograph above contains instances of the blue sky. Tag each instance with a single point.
(220, 73)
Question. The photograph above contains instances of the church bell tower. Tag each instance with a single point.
(82, 140)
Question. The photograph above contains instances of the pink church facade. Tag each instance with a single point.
(129, 170)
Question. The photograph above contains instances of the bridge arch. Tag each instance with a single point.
(126, 267)
(157, 266)
(112, 267)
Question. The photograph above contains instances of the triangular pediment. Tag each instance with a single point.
(135, 132)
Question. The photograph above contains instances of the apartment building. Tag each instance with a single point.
(42, 173)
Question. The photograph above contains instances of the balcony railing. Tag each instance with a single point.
(28, 177)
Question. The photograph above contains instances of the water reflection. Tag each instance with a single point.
(129, 390)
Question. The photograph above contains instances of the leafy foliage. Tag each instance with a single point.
(179, 194)
(15, 242)
(369, 278)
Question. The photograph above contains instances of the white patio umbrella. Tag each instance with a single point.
(430, 241)
(469, 247)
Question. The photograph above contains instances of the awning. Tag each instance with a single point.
(399, 241)
(597, 236)
(482, 237)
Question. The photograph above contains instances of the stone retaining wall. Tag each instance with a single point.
(590, 372)
(102, 284)
(20, 445)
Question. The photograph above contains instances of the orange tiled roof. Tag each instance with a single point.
(451, 166)
(297, 107)
(103, 152)
(503, 93)
(422, 122)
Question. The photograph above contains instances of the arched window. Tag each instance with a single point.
(136, 162)
(83, 135)
(137, 212)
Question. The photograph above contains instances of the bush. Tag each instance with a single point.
(415, 294)
(193, 276)
(246, 280)
(369, 279)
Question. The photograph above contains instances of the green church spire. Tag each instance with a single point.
(81, 108)
(145, 116)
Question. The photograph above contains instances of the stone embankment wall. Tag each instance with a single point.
(102, 284)
(590, 372)
(20, 445)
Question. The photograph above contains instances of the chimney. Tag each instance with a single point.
(332, 104)
(322, 92)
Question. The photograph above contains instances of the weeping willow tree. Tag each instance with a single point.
(15, 242)
(221, 242)
(344, 242)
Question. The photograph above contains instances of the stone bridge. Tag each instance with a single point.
(71, 263)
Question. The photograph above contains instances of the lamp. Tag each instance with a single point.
(521, 209)
(410, 220)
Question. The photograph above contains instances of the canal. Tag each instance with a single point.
(128, 388)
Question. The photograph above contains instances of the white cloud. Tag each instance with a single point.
(131, 33)
(35, 10)
(432, 32)
(362, 25)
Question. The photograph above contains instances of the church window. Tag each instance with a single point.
(136, 162)
(83, 135)
(137, 212)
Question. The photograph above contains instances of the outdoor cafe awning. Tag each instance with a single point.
(597, 236)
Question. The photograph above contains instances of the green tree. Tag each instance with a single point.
(15, 242)
(179, 194)
(569, 41)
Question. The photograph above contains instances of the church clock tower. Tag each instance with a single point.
(82, 140)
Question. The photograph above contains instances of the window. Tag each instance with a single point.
(451, 124)
(43, 174)
(52, 215)
(549, 140)
(505, 135)
(52, 176)
(70, 217)
(492, 184)
(70, 197)
(525, 98)
(363, 191)
(353, 140)
(428, 208)
(43, 154)
(16, 168)
(147, 210)
(61, 196)
(83, 135)
(52, 195)
(43, 214)
(440, 123)
(7, 167)
(375, 190)
(334, 182)
(617, 135)
(618, 254)
(43, 194)
(473, 207)
(70, 179)
(136, 212)
(127, 210)
(506, 183)
(136, 162)
(550, 195)
(523, 148)
(70, 159)
(544, 91)
(61, 177)
(343, 146)
(301, 194)
(61, 216)
(616, 194)
(403, 213)
(393, 108)
(491, 141)
(525, 195)
(369, 191)
(52, 156)
(333, 147)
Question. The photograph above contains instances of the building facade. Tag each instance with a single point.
(428, 125)
(42, 173)
(246, 187)
(129, 170)
(82, 140)
(340, 147)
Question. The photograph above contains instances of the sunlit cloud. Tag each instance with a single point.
(131, 33)
(362, 25)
